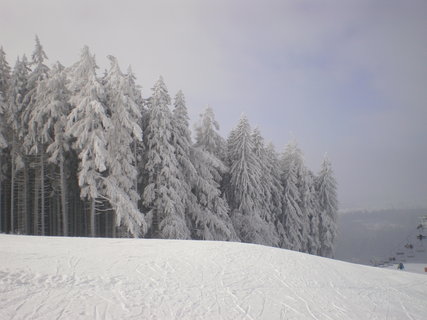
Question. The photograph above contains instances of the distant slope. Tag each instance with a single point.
(77, 278)
(363, 235)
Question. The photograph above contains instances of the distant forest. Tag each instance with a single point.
(84, 154)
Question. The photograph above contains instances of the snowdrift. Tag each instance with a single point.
(81, 278)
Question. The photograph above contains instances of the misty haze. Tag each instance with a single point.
(213, 159)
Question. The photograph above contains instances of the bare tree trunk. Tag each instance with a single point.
(92, 218)
(42, 187)
(26, 198)
(113, 224)
(36, 204)
(12, 195)
(1, 182)
(63, 198)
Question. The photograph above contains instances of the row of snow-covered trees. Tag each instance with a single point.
(86, 155)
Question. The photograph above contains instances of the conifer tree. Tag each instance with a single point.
(32, 143)
(326, 188)
(294, 219)
(88, 123)
(19, 193)
(245, 193)
(311, 209)
(47, 126)
(4, 88)
(267, 182)
(207, 135)
(166, 216)
(272, 165)
(181, 141)
(120, 188)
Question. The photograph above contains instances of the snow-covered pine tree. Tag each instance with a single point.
(4, 88)
(32, 143)
(47, 126)
(89, 124)
(311, 208)
(3, 145)
(3, 140)
(4, 74)
(214, 210)
(161, 195)
(181, 141)
(326, 188)
(211, 219)
(266, 182)
(209, 139)
(120, 187)
(294, 219)
(19, 193)
(245, 192)
(207, 135)
(272, 165)
(137, 146)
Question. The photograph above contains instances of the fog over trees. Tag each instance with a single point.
(83, 154)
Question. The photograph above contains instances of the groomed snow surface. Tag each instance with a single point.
(81, 278)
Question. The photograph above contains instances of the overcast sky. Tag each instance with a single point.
(344, 77)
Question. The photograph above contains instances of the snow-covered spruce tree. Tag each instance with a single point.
(212, 221)
(294, 219)
(181, 141)
(4, 88)
(47, 129)
(137, 146)
(162, 193)
(311, 208)
(120, 187)
(326, 188)
(19, 193)
(207, 135)
(33, 144)
(207, 212)
(267, 182)
(208, 138)
(245, 192)
(272, 165)
(4, 74)
(88, 123)
(3, 146)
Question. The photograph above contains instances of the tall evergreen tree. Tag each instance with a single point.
(294, 219)
(32, 142)
(207, 135)
(311, 208)
(88, 123)
(181, 141)
(326, 188)
(245, 193)
(4, 88)
(166, 216)
(119, 184)
(4, 75)
(272, 166)
(267, 183)
(47, 126)
(19, 193)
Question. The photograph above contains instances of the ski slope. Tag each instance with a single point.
(82, 278)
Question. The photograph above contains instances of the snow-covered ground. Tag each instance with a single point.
(79, 278)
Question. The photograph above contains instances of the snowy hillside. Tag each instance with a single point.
(79, 278)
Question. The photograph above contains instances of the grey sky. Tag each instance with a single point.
(344, 77)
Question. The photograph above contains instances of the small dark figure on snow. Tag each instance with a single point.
(400, 266)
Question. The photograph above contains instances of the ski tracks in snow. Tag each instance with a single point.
(158, 279)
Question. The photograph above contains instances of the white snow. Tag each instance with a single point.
(83, 278)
